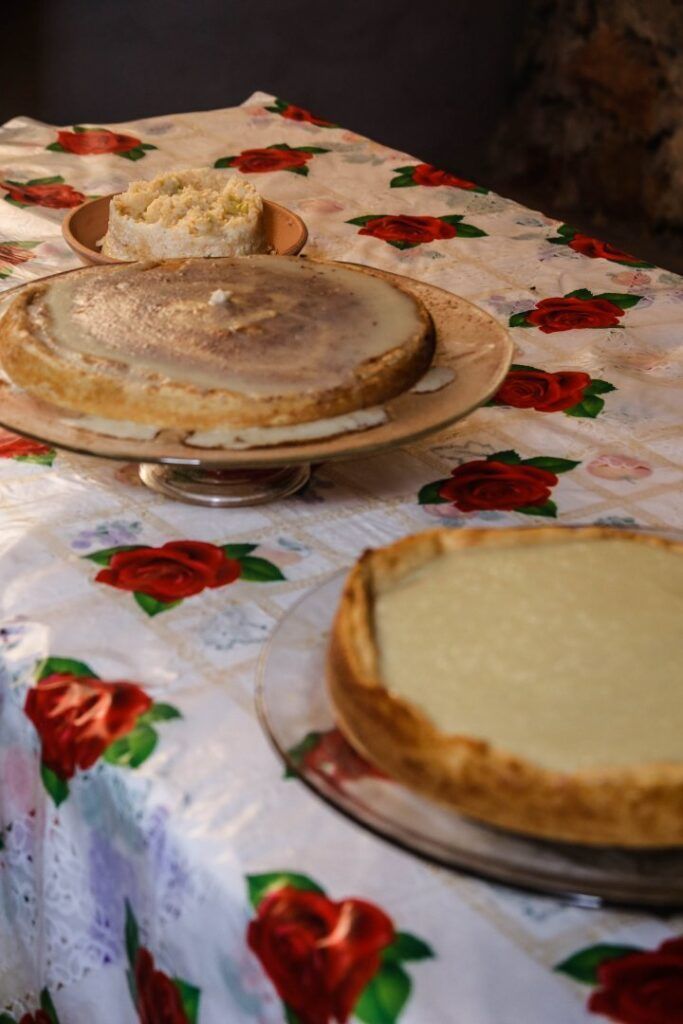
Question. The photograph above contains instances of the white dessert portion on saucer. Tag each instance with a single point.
(199, 212)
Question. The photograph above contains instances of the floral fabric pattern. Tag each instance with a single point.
(278, 157)
(578, 310)
(45, 1015)
(594, 248)
(569, 391)
(431, 177)
(406, 231)
(160, 578)
(294, 113)
(501, 481)
(23, 449)
(329, 959)
(51, 192)
(132, 763)
(634, 986)
(158, 998)
(80, 718)
(330, 755)
(95, 141)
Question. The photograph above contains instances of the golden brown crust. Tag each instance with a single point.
(638, 807)
(103, 387)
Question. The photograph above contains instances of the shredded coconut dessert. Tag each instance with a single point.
(197, 212)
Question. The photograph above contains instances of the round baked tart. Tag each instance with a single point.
(254, 341)
(528, 678)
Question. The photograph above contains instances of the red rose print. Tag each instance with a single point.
(78, 717)
(545, 392)
(57, 196)
(158, 998)
(12, 446)
(404, 231)
(295, 113)
(569, 313)
(318, 954)
(47, 1014)
(425, 174)
(404, 228)
(642, 988)
(12, 255)
(257, 161)
(171, 572)
(96, 140)
(489, 484)
(335, 759)
(596, 249)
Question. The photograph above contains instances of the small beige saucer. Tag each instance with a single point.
(84, 226)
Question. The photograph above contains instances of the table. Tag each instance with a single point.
(155, 863)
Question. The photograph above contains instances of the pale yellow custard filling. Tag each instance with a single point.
(568, 654)
(284, 326)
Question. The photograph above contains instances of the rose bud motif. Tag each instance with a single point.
(13, 446)
(545, 392)
(258, 161)
(171, 572)
(78, 717)
(319, 954)
(96, 140)
(425, 174)
(405, 228)
(334, 758)
(294, 113)
(569, 313)
(57, 196)
(596, 249)
(642, 988)
(158, 998)
(487, 484)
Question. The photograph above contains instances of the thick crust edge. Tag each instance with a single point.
(638, 807)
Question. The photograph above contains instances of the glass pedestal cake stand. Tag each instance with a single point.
(470, 344)
(296, 713)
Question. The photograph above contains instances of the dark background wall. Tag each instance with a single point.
(428, 78)
(531, 97)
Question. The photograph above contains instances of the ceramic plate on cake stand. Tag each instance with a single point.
(297, 715)
(84, 227)
(471, 346)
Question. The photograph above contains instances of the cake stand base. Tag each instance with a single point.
(224, 488)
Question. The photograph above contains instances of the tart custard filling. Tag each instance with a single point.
(284, 325)
(568, 654)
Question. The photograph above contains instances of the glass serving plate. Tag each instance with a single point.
(296, 713)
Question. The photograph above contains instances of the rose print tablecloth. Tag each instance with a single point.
(155, 864)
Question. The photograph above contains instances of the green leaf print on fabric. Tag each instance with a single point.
(502, 481)
(344, 959)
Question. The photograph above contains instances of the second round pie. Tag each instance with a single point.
(529, 678)
(200, 343)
